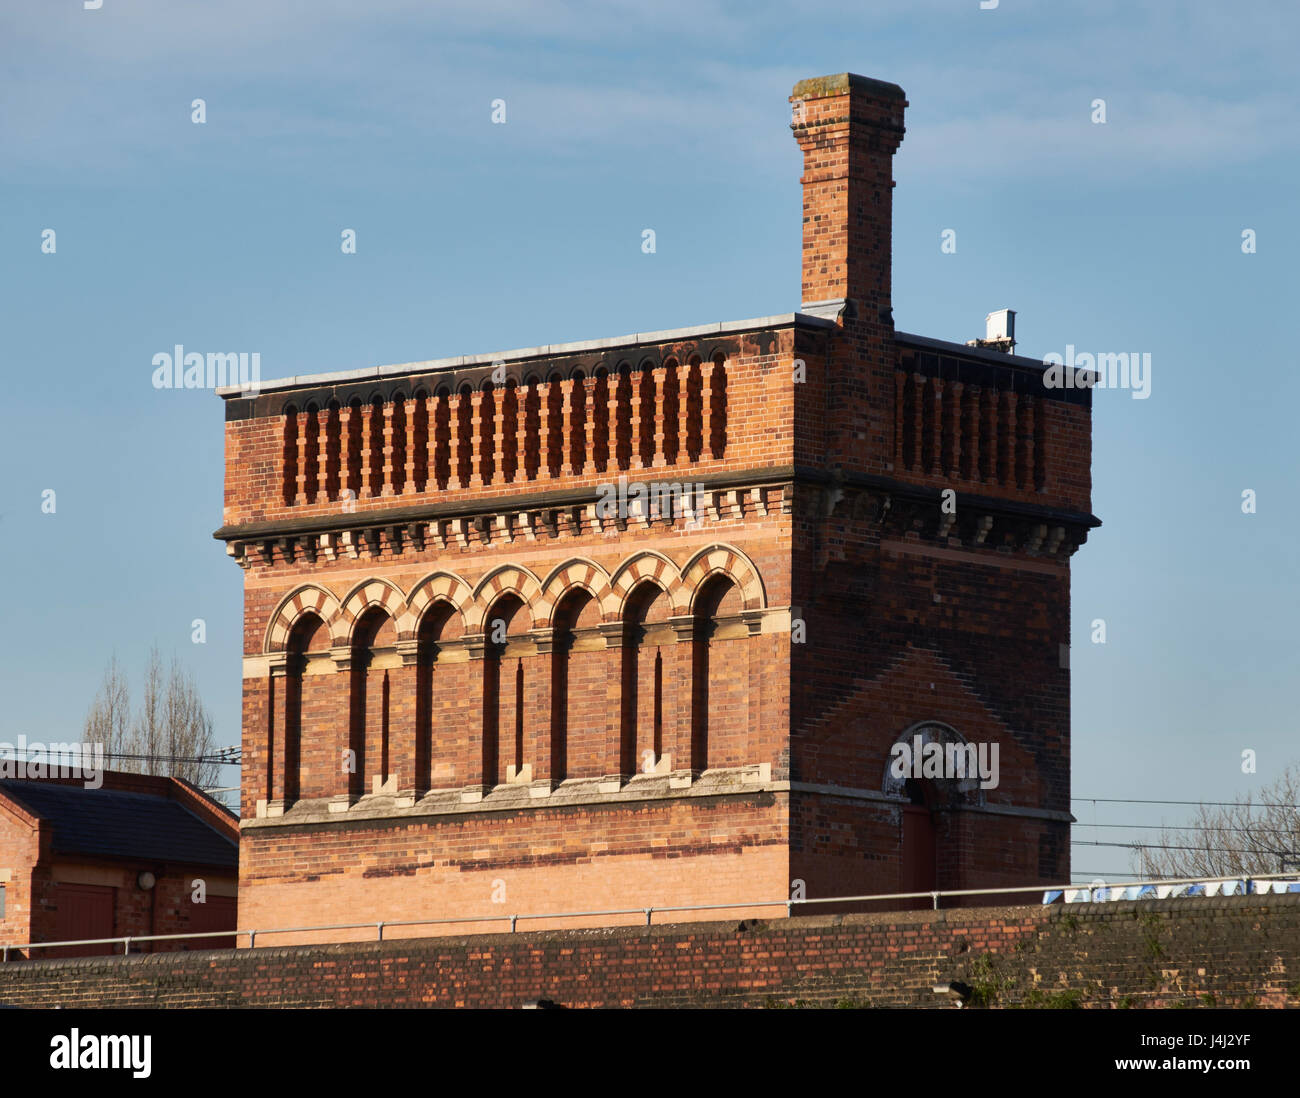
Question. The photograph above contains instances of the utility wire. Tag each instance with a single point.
(1192, 827)
(227, 756)
(1176, 846)
(1213, 804)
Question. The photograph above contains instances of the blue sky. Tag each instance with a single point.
(673, 116)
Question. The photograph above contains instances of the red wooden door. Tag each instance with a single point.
(919, 869)
(83, 911)
(218, 913)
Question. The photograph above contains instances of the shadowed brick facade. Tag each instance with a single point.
(472, 687)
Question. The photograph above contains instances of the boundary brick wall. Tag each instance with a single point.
(1228, 951)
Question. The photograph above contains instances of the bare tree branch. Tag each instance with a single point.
(1245, 839)
(170, 731)
(108, 721)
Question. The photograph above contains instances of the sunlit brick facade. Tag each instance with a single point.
(473, 688)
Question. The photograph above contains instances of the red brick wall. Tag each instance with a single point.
(168, 908)
(901, 631)
(19, 854)
(532, 861)
(1238, 951)
(742, 418)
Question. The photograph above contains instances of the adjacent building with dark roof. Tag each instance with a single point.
(140, 855)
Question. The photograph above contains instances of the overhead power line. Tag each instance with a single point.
(1194, 804)
(1190, 827)
(226, 756)
(1177, 846)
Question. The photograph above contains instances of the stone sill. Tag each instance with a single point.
(524, 796)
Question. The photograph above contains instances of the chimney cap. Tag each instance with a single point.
(821, 87)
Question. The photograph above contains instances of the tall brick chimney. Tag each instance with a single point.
(849, 128)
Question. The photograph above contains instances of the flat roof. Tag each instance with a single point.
(984, 354)
(636, 339)
(548, 350)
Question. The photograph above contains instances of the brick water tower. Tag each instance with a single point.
(648, 621)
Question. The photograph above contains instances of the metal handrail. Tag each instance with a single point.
(789, 904)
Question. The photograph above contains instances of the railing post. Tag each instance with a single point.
(381, 931)
(648, 910)
(935, 897)
(513, 919)
(6, 956)
(789, 909)
(126, 946)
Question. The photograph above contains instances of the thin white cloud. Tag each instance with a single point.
(682, 85)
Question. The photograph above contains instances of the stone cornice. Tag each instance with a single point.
(530, 501)
(536, 501)
(902, 508)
